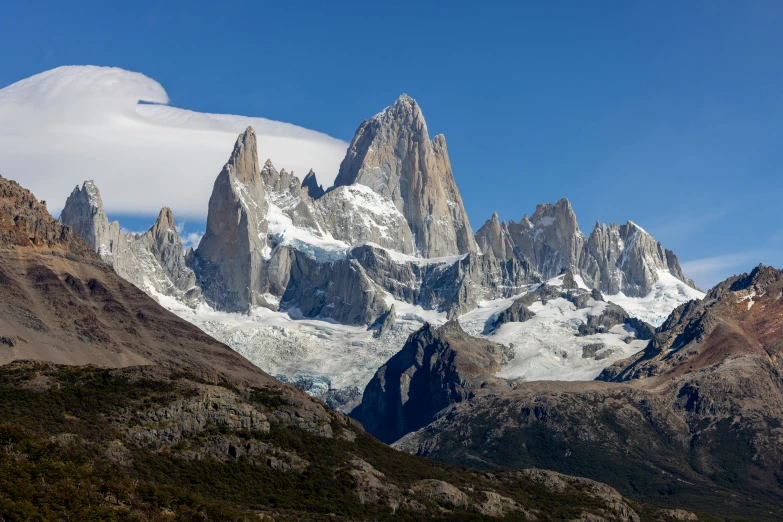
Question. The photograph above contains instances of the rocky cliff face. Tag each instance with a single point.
(230, 257)
(435, 368)
(550, 239)
(153, 261)
(311, 185)
(394, 156)
(613, 259)
(627, 259)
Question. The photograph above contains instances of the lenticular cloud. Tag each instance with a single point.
(69, 124)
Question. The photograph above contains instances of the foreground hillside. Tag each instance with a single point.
(82, 443)
(112, 408)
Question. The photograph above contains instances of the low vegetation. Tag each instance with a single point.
(69, 451)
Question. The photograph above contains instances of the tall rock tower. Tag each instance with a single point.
(394, 156)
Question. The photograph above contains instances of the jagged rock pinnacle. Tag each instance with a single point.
(394, 156)
(244, 157)
(310, 184)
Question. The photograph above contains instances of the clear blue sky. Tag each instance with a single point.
(667, 113)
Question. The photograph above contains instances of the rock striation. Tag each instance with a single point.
(393, 155)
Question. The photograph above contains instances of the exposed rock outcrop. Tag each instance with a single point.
(310, 184)
(230, 257)
(550, 239)
(153, 261)
(518, 312)
(734, 318)
(627, 259)
(435, 368)
(394, 156)
(493, 238)
(613, 259)
(25, 222)
(340, 290)
(385, 322)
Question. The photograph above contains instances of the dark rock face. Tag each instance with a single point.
(590, 351)
(518, 312)
(454, 287)
(393, 155)
(610, 317)
(385, 323)
(310, 184)
(340, 290)
(435, 368)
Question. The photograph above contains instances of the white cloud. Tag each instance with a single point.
(709, 271)
(70, 124)
(189, 238)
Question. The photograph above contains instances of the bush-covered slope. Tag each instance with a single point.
(83, 443)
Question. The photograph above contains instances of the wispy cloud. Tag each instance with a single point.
(709, 271)
(69, 124)
(189, 239)
(685, 224)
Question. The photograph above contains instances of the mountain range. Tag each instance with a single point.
(372, 258)
(113, 408)
(528, 343)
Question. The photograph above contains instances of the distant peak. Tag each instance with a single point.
(310, 184)
(89, 192)
(244, 157)
(166, 216)
(404, 107)
(563, 202)
(404, 98)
